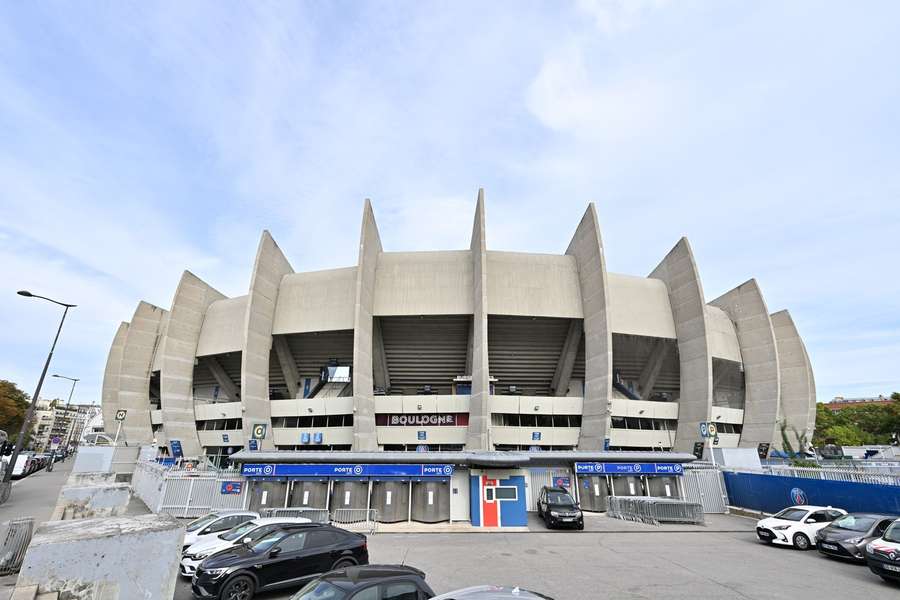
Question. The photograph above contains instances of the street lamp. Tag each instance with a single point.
(29, 414)
(71, 427)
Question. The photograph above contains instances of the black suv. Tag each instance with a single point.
(286, 557)
(372, 582)
(557, 508)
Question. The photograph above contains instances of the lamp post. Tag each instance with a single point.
(71, 422)
(29, 414)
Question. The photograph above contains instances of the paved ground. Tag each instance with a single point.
(625, 561)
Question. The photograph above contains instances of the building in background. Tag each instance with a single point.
(54, 420)
(472, 349)
(840, 402)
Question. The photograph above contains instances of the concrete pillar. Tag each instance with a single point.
(587, 248)
(798, 386)
(679, 272)
(269, 268)
(363, 398)
(650, 372)
(288, 365)
(477, 437)
(192, 297)
(381, 375)
(566, 362)
(134, 376)
(746, 307)
(110, 393)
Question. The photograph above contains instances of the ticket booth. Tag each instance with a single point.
(349, 493)
(391, 499)
(663, 487)
(497, 498)
(431, 501)
(593, 493)
(267, 494)
(308, 493)
(598, 481)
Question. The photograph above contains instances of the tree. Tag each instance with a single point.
(895, 396)
(845, 435)
(13, 404)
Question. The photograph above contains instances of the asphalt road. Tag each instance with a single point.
(626, 565)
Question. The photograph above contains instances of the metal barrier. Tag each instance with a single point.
(185, 493)
(316, 515)
(363, 520)
(704, 485)
(16, 537)
(851, 474)
(655, 511)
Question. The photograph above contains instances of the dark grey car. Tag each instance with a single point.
(492, 592)
(847, 536)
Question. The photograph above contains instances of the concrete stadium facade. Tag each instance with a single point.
(463, 350)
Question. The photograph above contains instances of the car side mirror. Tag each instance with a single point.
(247, 540)
(274, 552)
(810, 520)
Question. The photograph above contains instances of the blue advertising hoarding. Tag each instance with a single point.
(326, 470)
(231, 487)
(629, 469)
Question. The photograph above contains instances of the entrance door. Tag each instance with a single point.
(267, 494)
(551, 476)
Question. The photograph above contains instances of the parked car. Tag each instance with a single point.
(557, 508)
(847, 536)
(373, 582)
(285, 557)
(211, 524)
(796, 525)
(883, 554)
(491, 592)
(245, 533)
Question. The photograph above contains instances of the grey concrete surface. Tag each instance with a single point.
(479, 416)
(798, 387)
(110, 391)
(140, 347)
(631, 564)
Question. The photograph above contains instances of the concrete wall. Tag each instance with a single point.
(639, 306)
(87, 501)
(134, 375)
(192, 299)
(534, 285)
(479, 417)
(587, 248)
(223, 326)
(364, 438)
(723, 340)
(110, 392)
(746, 307)
(679, 272)
(316, 301)
(424, 283)
(157, 356)
(128, 558)
(798, 388)
(269, 269)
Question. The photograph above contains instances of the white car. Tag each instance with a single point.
(796, 525)
(252, 530)
(214, 523)
(883, 554)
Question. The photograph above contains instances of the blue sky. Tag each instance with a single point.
(139, 139)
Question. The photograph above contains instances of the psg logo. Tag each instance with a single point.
(799, 496)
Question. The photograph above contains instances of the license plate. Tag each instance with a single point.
(764, 534)
(568, 519)
(894, 568)
(830, 546)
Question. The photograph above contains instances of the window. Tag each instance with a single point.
(618, 422)
(544, 420)
(322, 590)
(882, 527)
(791, 514)
(489, 494)
(403, 590)
(293, 543)
(370, 593)
(507, 493)
(820, 517)
(319, 539)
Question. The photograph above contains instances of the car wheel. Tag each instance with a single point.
(801, 542)
(342, 564)
(581, 526)
(239, 588)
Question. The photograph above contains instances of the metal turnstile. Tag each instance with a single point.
(628, 486)
(309, 494)
(664, 487)
(430, 501)
(593, 493)
(391, 500)
(349, 494)
(267, 494)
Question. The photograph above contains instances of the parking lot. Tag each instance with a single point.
(616, 559)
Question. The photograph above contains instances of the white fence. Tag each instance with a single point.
(835, 474)
(186, 492)
(704, 485)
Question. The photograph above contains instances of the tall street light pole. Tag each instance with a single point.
(71, 422)
(29, 414)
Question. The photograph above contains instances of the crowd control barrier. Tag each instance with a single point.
(655, 511)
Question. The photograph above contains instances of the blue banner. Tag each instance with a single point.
(232, 487)
(771, 493)
(176, 448)
(629, 469)
(325, 470)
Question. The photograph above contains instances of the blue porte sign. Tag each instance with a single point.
(421, 435)
(176, 448)
(629, 469)
(325, 470)
(253, 445)
(232, 487)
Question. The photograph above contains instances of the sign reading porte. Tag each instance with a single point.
(629, 469)
(325, 470)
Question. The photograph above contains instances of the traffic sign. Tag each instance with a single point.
(711, 427)
(176, 448)
(259, 431)
(704, 429)
(120, 414)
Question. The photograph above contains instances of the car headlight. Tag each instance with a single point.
(198, 556)
(554, 513)
(855, 540)
(781, 527)
(215, 573)
(870, 547)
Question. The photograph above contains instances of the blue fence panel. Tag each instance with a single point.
(771, 493)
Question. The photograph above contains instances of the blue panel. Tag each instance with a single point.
(475, 500)
(771, 493)
(176, 448)
(317, 437)
(629, 469)
(231, 487)
(304, 437)
(326, 470)
(514, 514)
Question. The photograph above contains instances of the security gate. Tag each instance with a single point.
(704, 485)
(551, 476)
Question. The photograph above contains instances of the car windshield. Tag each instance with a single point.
(319, 590)
(236, 532)
(893, 533)
(201, 522)
(854, 523)
(791, 514)
(268, 540)
(560, 498)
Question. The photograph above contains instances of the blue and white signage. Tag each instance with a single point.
(421, 435)
(318, 437)
(535, 436)
(257, 470)
(176, 448)
(629, 469)
(225, 437)
(253, 445)
(231, 487)
(304, 437)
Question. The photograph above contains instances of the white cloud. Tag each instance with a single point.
(617, 16)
